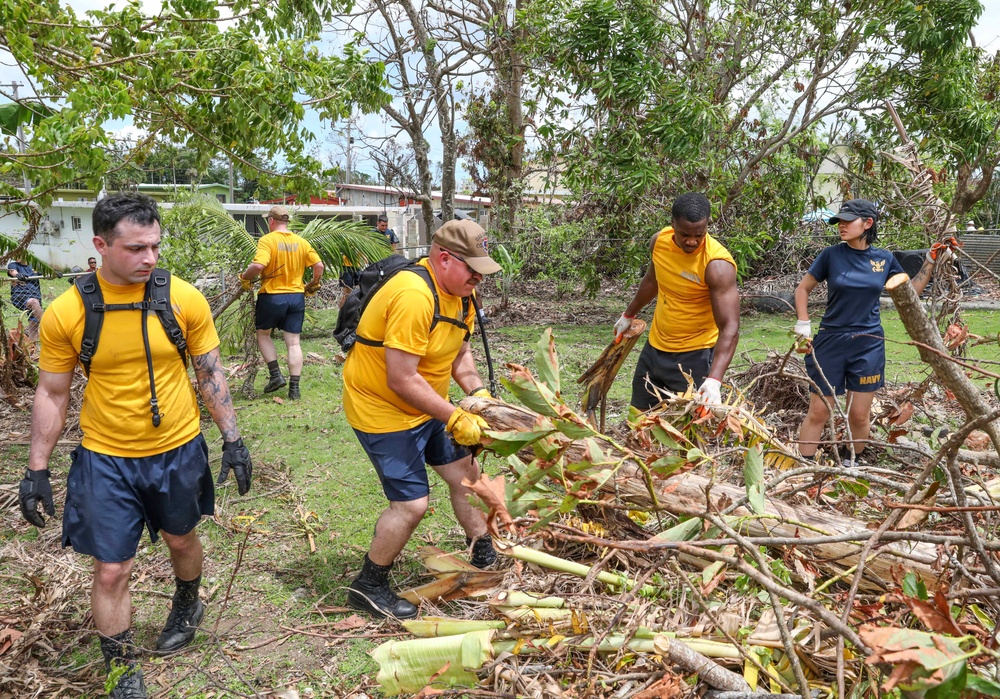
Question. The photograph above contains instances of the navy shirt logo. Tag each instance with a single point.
(878, 266)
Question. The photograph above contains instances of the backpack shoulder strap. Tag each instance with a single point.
(158, 297)
(93, 316)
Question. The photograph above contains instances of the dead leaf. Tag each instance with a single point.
(900, 415)
(670, 686)
(7, 638)
(955, 336)
(278, 400)
(351, 622)
(284, 694)
(492, 492)
(977, 441)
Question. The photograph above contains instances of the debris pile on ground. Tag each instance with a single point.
(742, 568)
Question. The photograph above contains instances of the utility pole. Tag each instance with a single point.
(232, 199)
(350, 143)
(22, 144)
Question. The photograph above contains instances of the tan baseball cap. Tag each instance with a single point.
(467, 239)
(278, 213)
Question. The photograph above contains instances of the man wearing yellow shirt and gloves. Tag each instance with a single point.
(143, 462)
(396, 378)
(282, 258)
(696, 323)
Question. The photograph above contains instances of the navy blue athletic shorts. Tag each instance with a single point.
(399, 458)
(284, 311)
(664, 371)
(110, 498)
(349, 277)
(849, 360)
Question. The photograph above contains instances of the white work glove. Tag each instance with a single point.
(711, 391)
(622, 325)
(803, 328)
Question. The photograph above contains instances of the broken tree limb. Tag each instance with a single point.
(693, 495)
(709, 672)
(599, 377)
(922, 329)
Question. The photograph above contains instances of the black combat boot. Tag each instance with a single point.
(293, 388)
(276, 380)
(370, 593)
(186, 613)
(483, 553)
(119, 651)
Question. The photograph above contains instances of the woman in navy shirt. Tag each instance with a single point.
(848, 352)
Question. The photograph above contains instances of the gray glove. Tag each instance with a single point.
(35, 487)
(236, 456)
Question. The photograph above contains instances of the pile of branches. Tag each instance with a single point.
(702, 553)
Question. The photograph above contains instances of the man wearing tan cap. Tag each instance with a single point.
(281, 259)
(412, 340)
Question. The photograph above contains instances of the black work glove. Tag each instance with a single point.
(35, 487)
(237, 457)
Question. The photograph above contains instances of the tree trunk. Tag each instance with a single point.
(932, 350)
(692, 495)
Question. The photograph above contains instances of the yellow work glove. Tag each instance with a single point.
(312, 287)
(466, 428)
(246, 283)
(481, 392)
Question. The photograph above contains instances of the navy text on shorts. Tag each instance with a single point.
(850, 360)
(399, 458)
(284, 311)
(110, 498)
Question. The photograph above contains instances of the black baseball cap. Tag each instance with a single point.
(855, 208)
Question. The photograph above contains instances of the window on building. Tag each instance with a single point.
(221, 198)
(77, 223)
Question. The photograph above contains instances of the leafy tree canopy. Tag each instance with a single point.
(236, 84)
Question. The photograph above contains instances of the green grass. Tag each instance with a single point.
(307, 459)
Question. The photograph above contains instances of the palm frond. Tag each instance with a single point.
(214, 224)
(8, 245)
(334, 240)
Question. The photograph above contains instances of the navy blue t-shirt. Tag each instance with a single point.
(854, 280)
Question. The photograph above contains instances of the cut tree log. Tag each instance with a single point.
(932, 350)
(693, 495)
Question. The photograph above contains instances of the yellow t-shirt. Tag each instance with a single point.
(285, 257)
(115, 416)
(400, 316)
(683, 320)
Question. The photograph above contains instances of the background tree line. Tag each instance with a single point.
(631, 101)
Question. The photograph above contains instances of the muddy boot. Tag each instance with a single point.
(119, 651)
(186, 613)
(370, 593)
(483, 554)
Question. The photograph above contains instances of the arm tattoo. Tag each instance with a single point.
(215, 393)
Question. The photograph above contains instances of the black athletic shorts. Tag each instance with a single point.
(663, 370)
(349, 277)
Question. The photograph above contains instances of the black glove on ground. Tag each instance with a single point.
(35, 487)
(237, 457)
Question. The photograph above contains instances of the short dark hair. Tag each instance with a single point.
(91, 259)
(692, 206)
(110, 211)
(382, 218)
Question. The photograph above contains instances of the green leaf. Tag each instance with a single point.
(547, 361)
(575, 429)
(981, 687)
(913, 586)
(668, 435)
(666, 465)
(507, 443)
(531, 393)
(753, 476)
